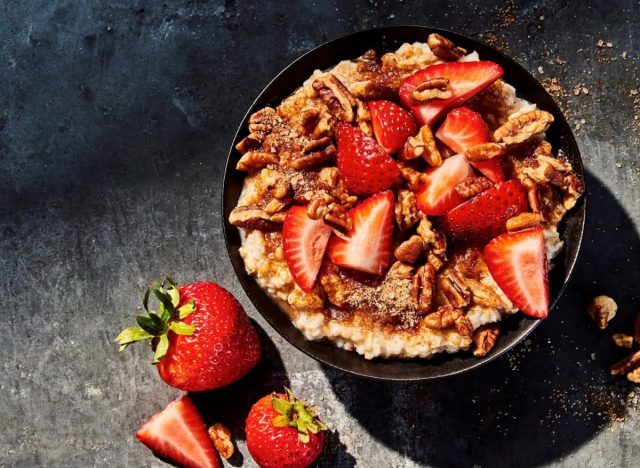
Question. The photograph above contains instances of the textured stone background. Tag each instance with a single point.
(115, 118)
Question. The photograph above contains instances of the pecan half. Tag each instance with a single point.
(523, 127)
(444, 317)
(484, 339)
(262, 122)
(406, 210)
(254, 160)
(464, 326)
(315, 158)
(336, 96)
(482, 294)
(433, 88)
(523, 221)
(602, 309)
(253, 217)
(484, 151)
(423, 288)
(221, 437)
(472, 186)
(409, 250)
(443, 48)
(436, 261)
(454, 289)
(626, 365)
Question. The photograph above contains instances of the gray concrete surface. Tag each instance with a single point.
(115, 118)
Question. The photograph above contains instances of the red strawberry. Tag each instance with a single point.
(464, 128)
(203, 338)
(392, 125)
(364, 166)
(466, 79)
(304, 241)
(438, 194)
(518, 263)
(179, 435)
(283, 432)
(370, 240)
(483, 217)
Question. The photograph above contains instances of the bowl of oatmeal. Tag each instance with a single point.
(432, 304)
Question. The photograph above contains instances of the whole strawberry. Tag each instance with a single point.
(203, 338)
(282, 432)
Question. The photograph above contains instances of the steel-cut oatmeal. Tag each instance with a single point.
(400, 205)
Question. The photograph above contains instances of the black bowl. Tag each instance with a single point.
(385, 39)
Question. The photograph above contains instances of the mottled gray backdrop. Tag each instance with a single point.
(115, 119)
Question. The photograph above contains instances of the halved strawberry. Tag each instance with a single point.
(370, 239)
(304, 241)
(438, 194)
(179, 435)
(466, 79)
(518, 263)
(392, 125)
(483, 217)
(464, 128)
(364, 166)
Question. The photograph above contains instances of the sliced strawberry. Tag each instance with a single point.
(466, 79)
(438, 194)
(392, 125)
(364, 166)
(304, 241)
(464, 128)
(370, 240)
(179, 435)
(483, 217)
(518, 263)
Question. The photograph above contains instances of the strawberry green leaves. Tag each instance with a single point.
(295, 414)
(158, 324)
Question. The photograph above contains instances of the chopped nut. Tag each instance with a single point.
(423, 288)
(336, 96)
(436, 261)
(366, 128)
(254, 160)
(634, 376)
(471, 186)
(433, 88)
(444, 317)
(221, 437)
(329, 176)
(401, 270)
(464, 326)
(484, 339)
(253, 217)
(523, 127)
(532, 194)
(443, 48)
(406, 210)
(482, 294)
(317, 208)
(275, 206)
(430, 154)
(412, 176)
(484, 151)
(281, 189)
(248, 143)
(338, 218)
(623, 340)
(413, 149)
(523, 221)
(308, 120)
(626, 365)
(454, 289)
(602, 309)
(409, 250)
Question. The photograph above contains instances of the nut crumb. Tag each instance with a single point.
(602, 309)
(221, 437)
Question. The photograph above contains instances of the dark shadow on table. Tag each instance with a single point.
(546, 397)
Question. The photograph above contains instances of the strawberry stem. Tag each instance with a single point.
(158, 324)
(296, 414)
